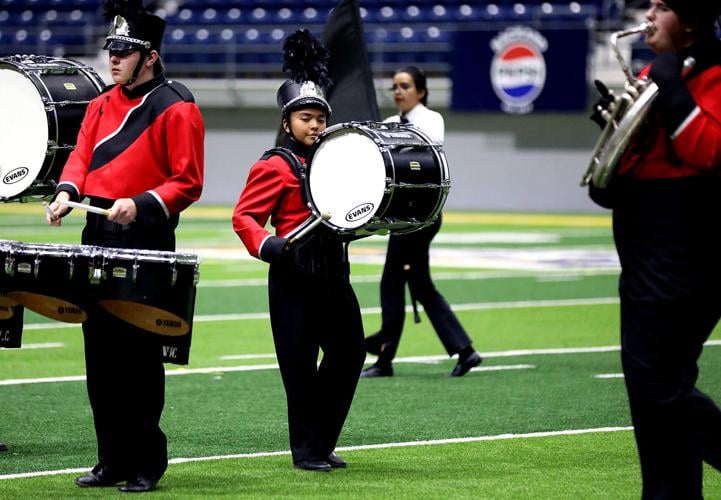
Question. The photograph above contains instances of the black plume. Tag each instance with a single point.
(112, 8)
(305, 58)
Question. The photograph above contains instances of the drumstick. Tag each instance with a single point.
(48, 210)
(83, 206)
(310, 227)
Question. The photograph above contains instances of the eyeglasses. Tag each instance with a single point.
(403, 87)
(121, 54)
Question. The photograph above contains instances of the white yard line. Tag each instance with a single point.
(45, 345)
(440, 276)
(407, 359)
(430, 442)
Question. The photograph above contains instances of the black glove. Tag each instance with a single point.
(604, 103)
(674, 102)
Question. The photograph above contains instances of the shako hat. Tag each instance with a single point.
(696, 11)
(132, 27)
(305, 60)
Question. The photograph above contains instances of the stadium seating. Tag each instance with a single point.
(220, 37)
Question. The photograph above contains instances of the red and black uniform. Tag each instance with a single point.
(312, 305)
(145, 144)
(666, 201)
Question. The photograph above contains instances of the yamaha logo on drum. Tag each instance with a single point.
(15, 175)
(168, 323)
(69, 310)
(359, 212)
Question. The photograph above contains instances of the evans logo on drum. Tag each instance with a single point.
(359, 212)
(15, 175)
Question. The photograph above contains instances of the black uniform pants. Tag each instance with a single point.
(126, 388)
(676, 426)
(124, 367)
(308, 314)
(407, 261)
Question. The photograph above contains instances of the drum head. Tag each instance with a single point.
(347, 158)
(23, 132)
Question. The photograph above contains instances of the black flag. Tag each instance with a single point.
(352, 94)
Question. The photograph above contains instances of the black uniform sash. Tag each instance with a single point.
(138, 120)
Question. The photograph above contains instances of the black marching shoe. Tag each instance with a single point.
(3, 447)
(99, 477)
(140, 484)
(336, 461)
(313, 465)
(464, 365)
(377, 371)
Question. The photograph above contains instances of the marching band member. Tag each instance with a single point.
(407, 258)
(666, 201)
(312, 305)
(139, 154)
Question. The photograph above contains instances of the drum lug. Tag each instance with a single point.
(36, 266)
(96, 273)
(136, 266)
(173, 275)
(53, 147)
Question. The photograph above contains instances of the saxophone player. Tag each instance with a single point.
(666, 202)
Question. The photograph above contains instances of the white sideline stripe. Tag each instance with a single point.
(376, 310)
(168, 373)
(608, 375)
(431, 442)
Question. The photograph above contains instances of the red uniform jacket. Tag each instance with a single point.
(272, 192)
(696, 143)
(148, 147)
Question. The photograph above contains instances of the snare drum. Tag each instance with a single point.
(375, 178)
(51, 280)
(152, 290)
(11, 313)
(5, 280)
(43, 102)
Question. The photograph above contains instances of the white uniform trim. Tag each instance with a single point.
(685, 123)
(77, 191)
(127, 115)
(162, 203)
(260, 247)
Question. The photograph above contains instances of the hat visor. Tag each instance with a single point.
(309, 102)
(118, 45)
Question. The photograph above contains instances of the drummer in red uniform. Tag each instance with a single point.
(312, 305)
(139, 154)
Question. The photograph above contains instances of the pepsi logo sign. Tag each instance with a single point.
(518, 69)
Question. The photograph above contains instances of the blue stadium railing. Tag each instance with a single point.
(242, 38)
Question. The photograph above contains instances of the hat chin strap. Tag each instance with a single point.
(136, 71)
